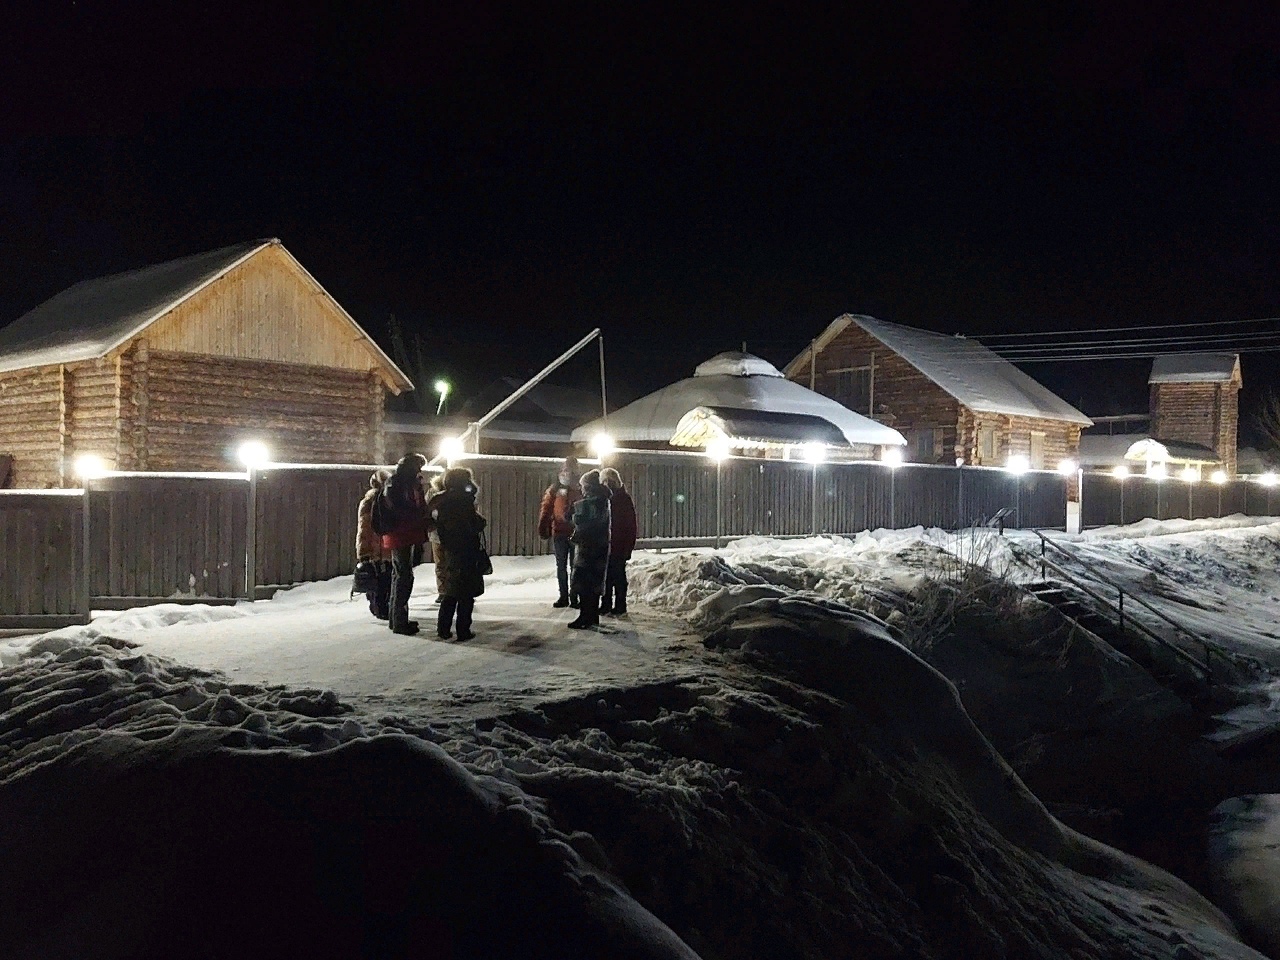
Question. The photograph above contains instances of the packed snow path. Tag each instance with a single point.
(314, 636)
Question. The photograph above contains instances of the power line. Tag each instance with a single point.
(1154, 326)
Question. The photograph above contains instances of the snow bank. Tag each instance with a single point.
(1245, 847)
(164, 806)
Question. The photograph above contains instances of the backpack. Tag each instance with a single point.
(383, 515)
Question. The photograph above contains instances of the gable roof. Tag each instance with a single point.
(977, 377)
(1194, 368)
(90, 319)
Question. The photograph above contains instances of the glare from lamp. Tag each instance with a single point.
(254, 454)
(90, 466)
(1120, 472)
(1017, 464)
(442, 388)
(718, 449)
(1157, 471)
(1190, 474)
(891, 457)
(1067, 467)
(1218, 476)
(451, 448)
(602, 445)
(1267, 479)
(815, 452)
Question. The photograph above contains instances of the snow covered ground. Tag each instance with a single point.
(751, 760)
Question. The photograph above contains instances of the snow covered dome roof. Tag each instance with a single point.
(734, 363)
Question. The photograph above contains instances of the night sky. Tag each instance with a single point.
(686, 176)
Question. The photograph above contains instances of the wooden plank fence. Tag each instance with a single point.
(194, 537)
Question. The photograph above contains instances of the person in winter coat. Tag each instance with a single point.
(369, 549)
(555, 523)
(404, 503)
(591, 553)
(455, 538)
(622, 541)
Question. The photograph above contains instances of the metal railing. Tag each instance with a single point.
(1084, 583)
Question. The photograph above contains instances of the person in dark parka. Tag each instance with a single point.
(369, 548)
(455, 538)
(623, 530)
(406, 503)
(591, 548)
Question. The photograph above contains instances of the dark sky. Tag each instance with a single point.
(685, 177)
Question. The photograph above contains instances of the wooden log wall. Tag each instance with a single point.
(92, 420)
(1203, 413)
(1012, 435)
(267, 308)
(200, 409)
(31, 403)
(41, 581)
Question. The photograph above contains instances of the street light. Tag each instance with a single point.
(442, 388)
(90, 466)
(254, 454)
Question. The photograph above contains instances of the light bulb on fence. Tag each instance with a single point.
(815, 452)
(90, 466)
(1190, 474)
(254, 454)
(718, 448)
(1218, 476)
(1157, 471)
(1018, 464)
(451, 448)
(1067, 467)
(891, 457)
(602, 445)
(1120, 472)
(1267, 479)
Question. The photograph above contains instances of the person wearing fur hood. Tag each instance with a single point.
(369, 549)
(455, 527)
(591, 548)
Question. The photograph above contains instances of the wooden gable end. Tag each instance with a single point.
(268, 308)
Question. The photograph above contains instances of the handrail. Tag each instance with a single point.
(1209, 646)
(1173, 648)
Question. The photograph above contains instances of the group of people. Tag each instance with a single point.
(397, 517)
(590, 521)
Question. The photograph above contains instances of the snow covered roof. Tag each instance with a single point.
(92, 318)
(752, 427)
(1195, 368)
(964, 368)
(758, 387)
(1110, 450)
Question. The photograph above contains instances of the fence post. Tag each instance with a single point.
(893, 506)
(86, 565)
(251, 538)
(813, 499)
(960, 500)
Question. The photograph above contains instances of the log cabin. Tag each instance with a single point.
(172, 366)
(951, 397)
(1195, 399)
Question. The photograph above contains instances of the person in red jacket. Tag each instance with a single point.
(555, 523)
(623, 530)
(404, 504)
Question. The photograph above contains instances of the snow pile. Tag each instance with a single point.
(166, 807)
(826, 797)
(1245, 847)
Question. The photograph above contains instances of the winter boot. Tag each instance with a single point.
(588, 614)
(606, 602)
(620, 605)
(444, 619)
(406, 629)
(562, 602)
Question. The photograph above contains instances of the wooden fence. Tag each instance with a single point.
(224, 537)
(1108, 500)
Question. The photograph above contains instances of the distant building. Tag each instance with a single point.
(1192, 422)
(171, 366)
(1195, 399)
(745, 403)
(951, 397)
